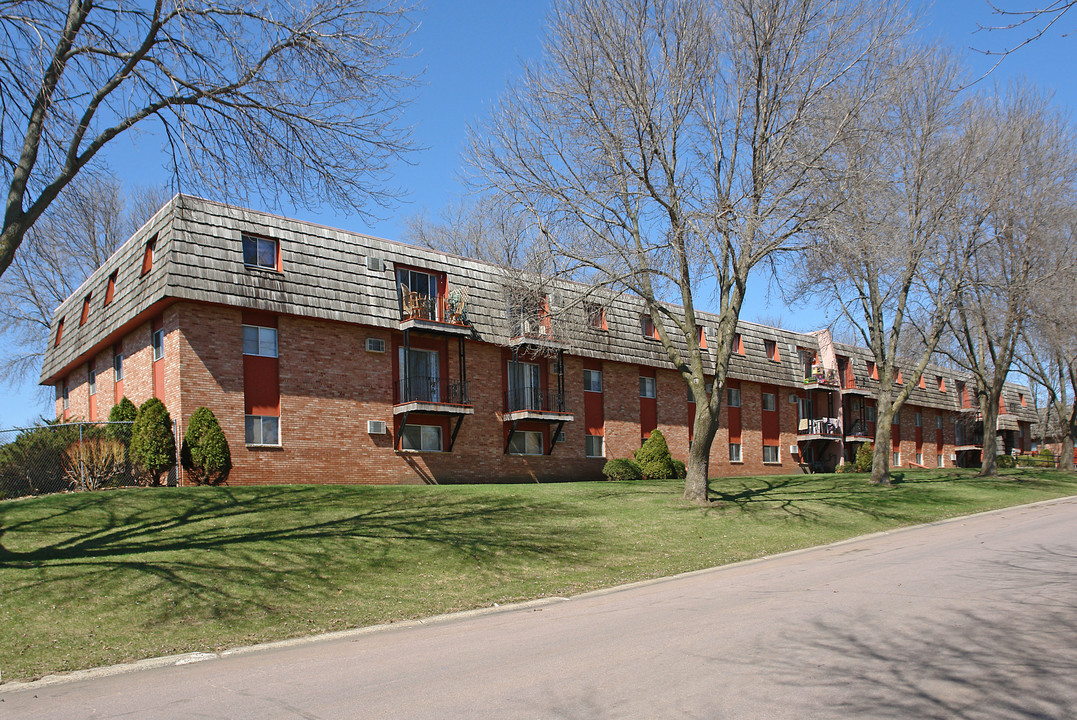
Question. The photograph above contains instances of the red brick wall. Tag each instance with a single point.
(330, 386)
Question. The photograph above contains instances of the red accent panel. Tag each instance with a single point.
(158, 366)
(938, 438)
(118, 391)
(593, 417)
(771, 422)
(147, 256)
(261, 385)
(85, 309)
(919, 438)
(259, 318)
(93, 408)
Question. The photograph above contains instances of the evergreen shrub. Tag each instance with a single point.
(622, 469)
(204, 453)
(654, 458)
(153, 446)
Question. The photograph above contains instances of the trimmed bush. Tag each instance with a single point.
(204, 453)
(864, 456)
(1004, 462)
(654, 458)
(153, 446)
(622, 469)
(123, 411)
(680, 469)
(846, 467)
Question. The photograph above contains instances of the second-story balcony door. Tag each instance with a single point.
(419, 293)
(525, 390)
(419, 375)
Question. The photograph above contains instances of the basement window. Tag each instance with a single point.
(262, 430)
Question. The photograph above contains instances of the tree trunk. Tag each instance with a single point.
(1065, 460)
(988, 458)
(880, 458)
(699, 455)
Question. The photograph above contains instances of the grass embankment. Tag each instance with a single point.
(98, 578)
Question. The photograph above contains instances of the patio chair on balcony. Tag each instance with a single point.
(412, 303)
(456, 305)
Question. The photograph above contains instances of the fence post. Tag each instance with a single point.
(82, 458)
(175, 433)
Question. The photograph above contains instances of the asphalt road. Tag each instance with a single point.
(975, 618)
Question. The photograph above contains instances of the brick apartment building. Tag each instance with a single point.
(330, 356)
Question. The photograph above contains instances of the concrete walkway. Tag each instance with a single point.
(973, 618)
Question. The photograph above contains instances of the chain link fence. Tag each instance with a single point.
(65, 457)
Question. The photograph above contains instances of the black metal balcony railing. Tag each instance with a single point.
(534, 399)
(432, 390)
(451, 309)
(859, 428)
(820, 426)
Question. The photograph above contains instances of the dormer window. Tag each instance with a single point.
(147, 255)
(647, 328)
(596, 316)
(85, 309)
(419, 294)
(770, 347)
(261, 252)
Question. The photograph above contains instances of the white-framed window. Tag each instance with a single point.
(262, 430)
(771, 454)
(91, 379)
(918, 419)
(117, 366)
(261, 341)
(646, 387)
(938, 421)
(770, 402)
(592, 381)
(526, 442)
(734, 452)
(260, 252)
(594, 446)
(158, 344)
(938, 460)
(869, 413)
(897, 458)
(733, 397)
(426, 438)
(919, 458)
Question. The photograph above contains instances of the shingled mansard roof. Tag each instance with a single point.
(335, 275)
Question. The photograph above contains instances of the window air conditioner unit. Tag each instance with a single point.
(794, 450)
(375, 345)
(793, 398)
(375, 427)
(561, 436)
(374, 264)
(953, 457)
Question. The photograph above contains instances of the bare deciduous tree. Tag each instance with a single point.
(668, 147)
(892, 256)
(299, 100)
(1048, 354)
(89, 220)
(1033, 172)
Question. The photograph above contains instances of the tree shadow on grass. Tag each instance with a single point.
(246, 546)
(804, 496)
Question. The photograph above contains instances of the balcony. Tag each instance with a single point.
(819, 428)
(535, 404)
(858, 431)
(446, 315)
(818, 378)
(432, 395)
(536, 332)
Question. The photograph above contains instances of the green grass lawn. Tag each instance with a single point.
(97, 578)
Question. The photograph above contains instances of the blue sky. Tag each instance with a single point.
(471, 49)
